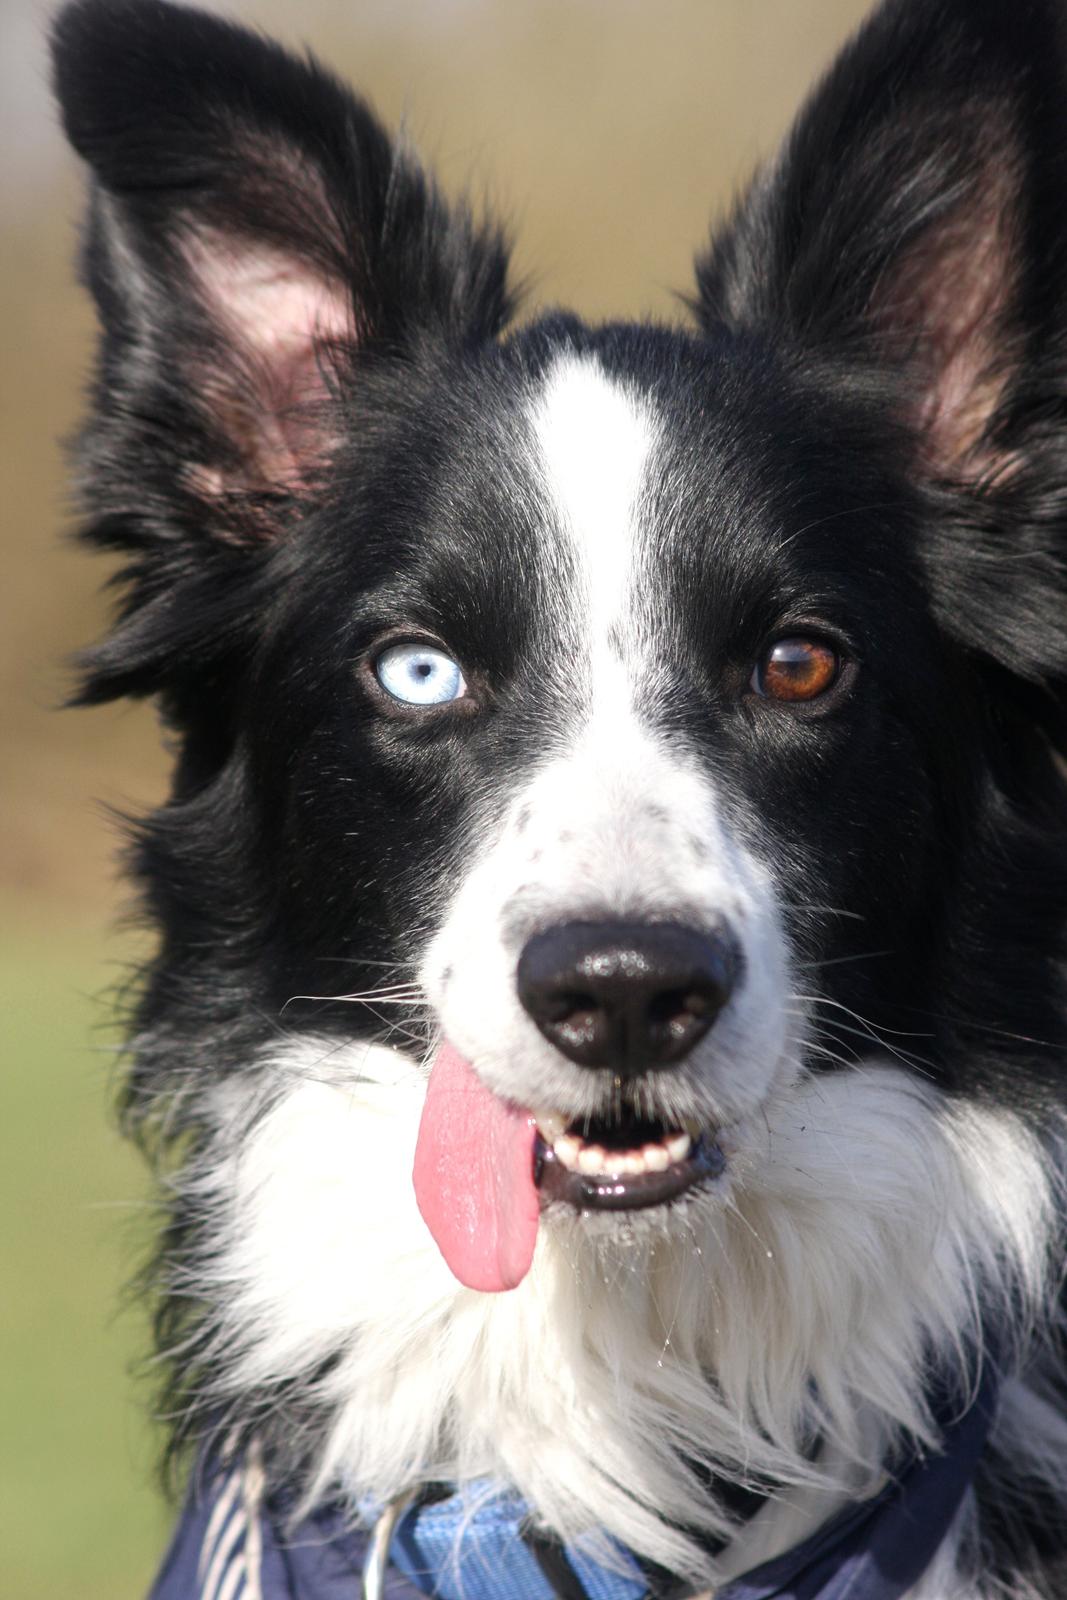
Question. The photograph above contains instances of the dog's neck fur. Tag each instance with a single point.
(868, 1222)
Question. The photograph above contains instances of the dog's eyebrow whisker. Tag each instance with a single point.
(834, 516)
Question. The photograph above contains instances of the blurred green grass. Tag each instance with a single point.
(78, 1514)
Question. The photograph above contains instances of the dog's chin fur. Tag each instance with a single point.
(868, 1228)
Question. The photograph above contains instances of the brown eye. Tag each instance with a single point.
(796, 669)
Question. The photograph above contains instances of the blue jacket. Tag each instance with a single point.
(237, 1542)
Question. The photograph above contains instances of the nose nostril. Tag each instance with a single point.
(631, 997)
(678, 1006)
(567, 1007)
(580, 1031)
(679, 1019)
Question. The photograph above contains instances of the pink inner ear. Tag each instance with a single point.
(964, 320)
(953, 294)
(278, 317)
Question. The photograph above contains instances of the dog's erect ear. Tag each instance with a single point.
(910, 244)
(254, 235)
(252, 224)
(917, 218)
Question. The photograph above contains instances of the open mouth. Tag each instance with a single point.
(621, 1164)
(485, 1167)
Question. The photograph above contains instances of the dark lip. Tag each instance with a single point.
(591, 1192)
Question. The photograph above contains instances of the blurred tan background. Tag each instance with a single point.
(608, 132)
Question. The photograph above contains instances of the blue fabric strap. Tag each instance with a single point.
(228, 1548)
(877, 1550)
(235, 1543)
(496, 1556)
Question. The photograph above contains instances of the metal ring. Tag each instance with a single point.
(376, 1559)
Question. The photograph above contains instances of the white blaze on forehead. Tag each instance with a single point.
(594, 439)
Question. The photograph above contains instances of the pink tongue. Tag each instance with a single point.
(474, 1179)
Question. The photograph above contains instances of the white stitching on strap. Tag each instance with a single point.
(231, 1556)
(254, 1484)
(235, 1576)
(219, 1518)
(229, 1552)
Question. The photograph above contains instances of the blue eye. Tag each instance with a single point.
(419, 675)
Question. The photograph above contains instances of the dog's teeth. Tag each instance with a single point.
(550, 1125)
(595, 1160)
(568, 1148)
(623, 1163)
(679, 1146)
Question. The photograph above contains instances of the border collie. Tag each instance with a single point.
(605, 1050)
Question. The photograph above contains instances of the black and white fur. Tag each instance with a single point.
(314, 429)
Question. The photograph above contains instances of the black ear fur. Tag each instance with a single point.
(181, 113)
(254, 236)
(915, 214)
(911, 240)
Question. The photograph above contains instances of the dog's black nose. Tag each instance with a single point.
(628, 996)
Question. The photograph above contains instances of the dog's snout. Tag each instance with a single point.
(631, 997)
